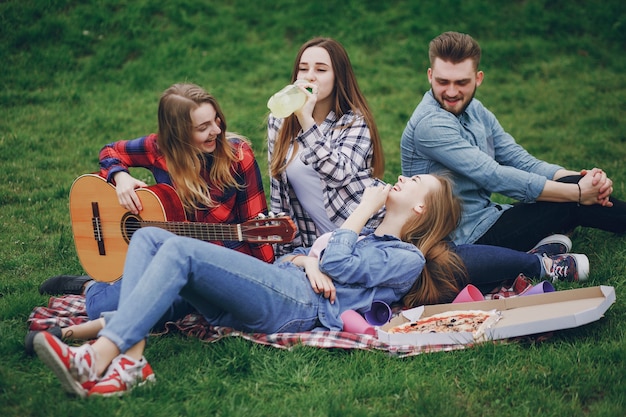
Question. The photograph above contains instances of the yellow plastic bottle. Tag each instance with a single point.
(286, 101)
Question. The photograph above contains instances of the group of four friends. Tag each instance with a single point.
(418, 241)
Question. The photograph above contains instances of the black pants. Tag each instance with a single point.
(523, 225)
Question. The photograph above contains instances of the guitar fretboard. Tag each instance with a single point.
(200, 231)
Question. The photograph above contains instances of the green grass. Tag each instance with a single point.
(77, 75)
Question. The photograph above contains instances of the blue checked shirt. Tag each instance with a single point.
(340, 151)
(481, 156)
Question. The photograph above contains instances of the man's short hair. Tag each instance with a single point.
(454, 47)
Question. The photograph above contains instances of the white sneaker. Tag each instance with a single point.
(552, 245)
(570, 267)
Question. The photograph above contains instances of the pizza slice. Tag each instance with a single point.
(471, 321)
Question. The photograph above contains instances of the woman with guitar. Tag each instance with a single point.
(300, 292)
(215, 175)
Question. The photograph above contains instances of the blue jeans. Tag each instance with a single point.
(487, 266)
(101, 297)
(254, 297)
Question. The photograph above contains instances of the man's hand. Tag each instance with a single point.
(603, 183)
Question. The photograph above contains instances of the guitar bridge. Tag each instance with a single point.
(97, 228)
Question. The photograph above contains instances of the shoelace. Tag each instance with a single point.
(124, 367)
(558, 271)
(84, 368)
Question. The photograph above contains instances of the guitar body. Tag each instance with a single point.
(102, 250)
(102, 228)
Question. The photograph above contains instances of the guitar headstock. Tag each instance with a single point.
(279, 229)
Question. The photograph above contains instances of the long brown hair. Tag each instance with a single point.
(444, 273)
(347, 96)
(184, 160)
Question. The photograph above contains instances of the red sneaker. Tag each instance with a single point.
(74, 366)
(124, 374)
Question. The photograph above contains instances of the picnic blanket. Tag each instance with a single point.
(68, 310)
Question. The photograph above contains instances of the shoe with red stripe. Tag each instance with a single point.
(124, 374)
(74, 366)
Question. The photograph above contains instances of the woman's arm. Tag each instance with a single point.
(381, 262)
(115, 160)
(119, 156)
(372, 201)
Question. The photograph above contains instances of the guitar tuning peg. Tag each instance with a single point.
(260, 216)
(281, 214)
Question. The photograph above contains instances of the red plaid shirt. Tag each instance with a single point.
(232, 205)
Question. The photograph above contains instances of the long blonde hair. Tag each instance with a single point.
(444, 273)
(184, 160)
(347, 96)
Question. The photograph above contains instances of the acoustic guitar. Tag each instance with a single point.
(102, 228)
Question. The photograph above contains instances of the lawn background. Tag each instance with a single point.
(77, 75)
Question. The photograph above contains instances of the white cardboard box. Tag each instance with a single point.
(521, 316)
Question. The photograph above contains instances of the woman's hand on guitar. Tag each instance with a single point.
(125, 186)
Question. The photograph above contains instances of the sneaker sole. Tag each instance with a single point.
(48, 356)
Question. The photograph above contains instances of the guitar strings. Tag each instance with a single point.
(214, 231)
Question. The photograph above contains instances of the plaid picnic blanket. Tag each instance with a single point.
(68, 310)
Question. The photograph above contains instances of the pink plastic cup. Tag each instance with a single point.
(378, 314)
(542, 287)
(353, 322)
(468, 294)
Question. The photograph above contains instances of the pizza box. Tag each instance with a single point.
(523, 315)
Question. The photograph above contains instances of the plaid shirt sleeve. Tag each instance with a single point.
(283, 200)
(276, 202)
(141, 152)
(250, 200)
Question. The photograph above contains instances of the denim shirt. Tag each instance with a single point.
(481, 157)
(372, 268)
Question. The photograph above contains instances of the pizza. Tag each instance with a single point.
(470, 321)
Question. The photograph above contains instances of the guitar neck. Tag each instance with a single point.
(200, 231)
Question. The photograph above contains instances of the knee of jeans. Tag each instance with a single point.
(153, 235)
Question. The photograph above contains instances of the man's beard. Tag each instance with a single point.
(451, 110)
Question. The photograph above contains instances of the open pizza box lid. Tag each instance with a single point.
(523, 315)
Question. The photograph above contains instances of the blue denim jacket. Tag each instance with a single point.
(373, 268)
(481, 156)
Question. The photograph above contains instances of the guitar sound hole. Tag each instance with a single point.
(130, 224)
